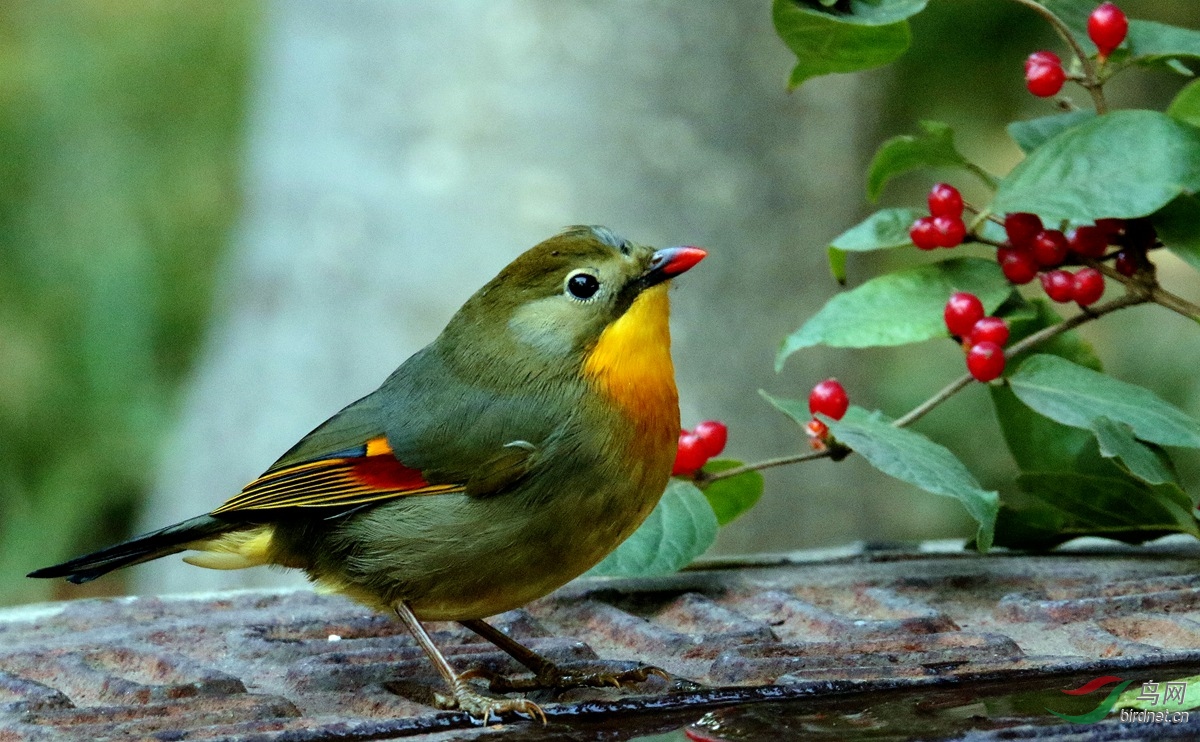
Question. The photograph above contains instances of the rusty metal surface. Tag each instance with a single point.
(297, 666)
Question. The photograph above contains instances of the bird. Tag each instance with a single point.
(496, 464)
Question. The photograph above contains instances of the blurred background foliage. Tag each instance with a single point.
(121, 134)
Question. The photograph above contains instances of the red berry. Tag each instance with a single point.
(713, 435)
(829, 398)
(1050, 248)
(985, 361)
(945, 200)
(1044, 76)
(963, 310)
(1018, 265)
(1059, 285)
(690, 455)
(923, 234)
(1112, 228)
(1043, 58)
(1126, 263)
(950, 230)
(1089, 286)
(1021, 228)
(1107, 27)
(989, 330)
(1140, 233)
(1090, 242)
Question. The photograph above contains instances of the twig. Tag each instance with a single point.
(989, 180)
(703, 479)
(1152, 290)
(1090, 81)
(925, 407)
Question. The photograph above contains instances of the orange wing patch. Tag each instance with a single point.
(343, 481)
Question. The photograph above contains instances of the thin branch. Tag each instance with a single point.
(925, 407)
(1090, 81)
(796, 458)
(1175, 303)
(1152, 291)
(989, 180)
(1130, 299)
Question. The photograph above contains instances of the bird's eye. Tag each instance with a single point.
(582, 285)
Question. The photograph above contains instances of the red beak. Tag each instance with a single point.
(670, 262)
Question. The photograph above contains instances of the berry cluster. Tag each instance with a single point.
(944, 227)
(1044, 73)
(698, 445)
(1031, 249)
(983, 337)
(828, 398)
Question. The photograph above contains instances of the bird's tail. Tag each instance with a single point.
(193, 533)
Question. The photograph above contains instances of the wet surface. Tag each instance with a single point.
(860, 645)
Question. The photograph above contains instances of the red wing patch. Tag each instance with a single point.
(340, 481)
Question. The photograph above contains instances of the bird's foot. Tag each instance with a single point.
(556, 677)
(483, 708)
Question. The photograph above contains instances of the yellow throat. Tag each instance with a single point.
(631, 364)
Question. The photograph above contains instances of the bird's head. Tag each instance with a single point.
(581, 292)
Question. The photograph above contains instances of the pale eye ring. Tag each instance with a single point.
(582, 285)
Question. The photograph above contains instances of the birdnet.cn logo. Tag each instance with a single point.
(1155, 703)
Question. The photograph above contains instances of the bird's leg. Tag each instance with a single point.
(466, 698)
(546, 673)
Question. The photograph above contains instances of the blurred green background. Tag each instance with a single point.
(120, 143)
(121, 146)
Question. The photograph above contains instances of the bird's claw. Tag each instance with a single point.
(482, 708)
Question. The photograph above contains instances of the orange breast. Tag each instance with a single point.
(631, 365)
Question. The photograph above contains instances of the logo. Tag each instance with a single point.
(1105, 707)
(1173, 701)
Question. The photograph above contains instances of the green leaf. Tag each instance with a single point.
(1031, 134)
(1075, 14)
(679, 529)
(1121, 508)
(1076, 396)
(793, 408)
(1186, 105)
(897, 308)
(1124, 164)
(934, 147)
(1030, 527)
(913, 458)
(1173, 694)
(1069, 345)
(882, 230)
(731, 497)
(827, 40)
(1178, 226)
(1116, 441)
(1036, 442)
(1151, 43)
(907, 456)
(837, 264)
(1016, 310)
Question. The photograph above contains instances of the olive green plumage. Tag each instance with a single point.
(551, 472)
(507, 457)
